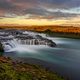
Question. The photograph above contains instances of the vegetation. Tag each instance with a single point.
(61, 34)
(10, 70)
(52, 30)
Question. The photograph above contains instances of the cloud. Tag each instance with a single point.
(41, 9)
(49, 14)
(61, 4)
(36, 11)
(5, 5)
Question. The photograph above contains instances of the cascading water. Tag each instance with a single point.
(25, 41)
(9, 45)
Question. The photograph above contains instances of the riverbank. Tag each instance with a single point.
(61, 34)
(10, 70)
(53, 31)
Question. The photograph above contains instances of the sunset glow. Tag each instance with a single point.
(31, 21)
(40, 12)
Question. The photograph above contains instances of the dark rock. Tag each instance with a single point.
(1, 48)
(51, 43)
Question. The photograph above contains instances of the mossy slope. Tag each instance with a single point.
(10, 70)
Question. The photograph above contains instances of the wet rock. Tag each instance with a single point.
(1, 48)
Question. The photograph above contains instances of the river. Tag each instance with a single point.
(63, 59)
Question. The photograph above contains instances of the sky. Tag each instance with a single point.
(40, 12)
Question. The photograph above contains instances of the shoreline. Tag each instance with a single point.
(60, 34)
(49, 32)
(25, 71)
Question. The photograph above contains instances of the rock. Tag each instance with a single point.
(51, 43)
(1, 48)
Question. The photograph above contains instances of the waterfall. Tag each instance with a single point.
(12, 41)
(8, 45)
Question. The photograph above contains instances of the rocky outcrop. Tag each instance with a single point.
(51, 43)
(24, 38)
(1, 48)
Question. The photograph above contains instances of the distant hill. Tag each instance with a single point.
(54, 28)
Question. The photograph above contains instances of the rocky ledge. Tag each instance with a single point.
(25, 38)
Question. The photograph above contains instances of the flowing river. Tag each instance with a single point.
(63, 59)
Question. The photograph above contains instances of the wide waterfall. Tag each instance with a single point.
(13, 39)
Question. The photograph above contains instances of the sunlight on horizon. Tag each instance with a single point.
(31, 21)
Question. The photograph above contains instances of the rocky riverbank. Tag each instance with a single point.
(10, 70)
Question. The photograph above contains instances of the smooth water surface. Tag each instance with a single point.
(65, 56)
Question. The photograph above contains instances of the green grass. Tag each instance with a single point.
(19, 71)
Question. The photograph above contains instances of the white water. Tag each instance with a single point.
(14, 45)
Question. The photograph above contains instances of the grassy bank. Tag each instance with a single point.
(10, 70)
(61, 34)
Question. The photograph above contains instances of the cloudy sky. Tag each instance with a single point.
(40, 12)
